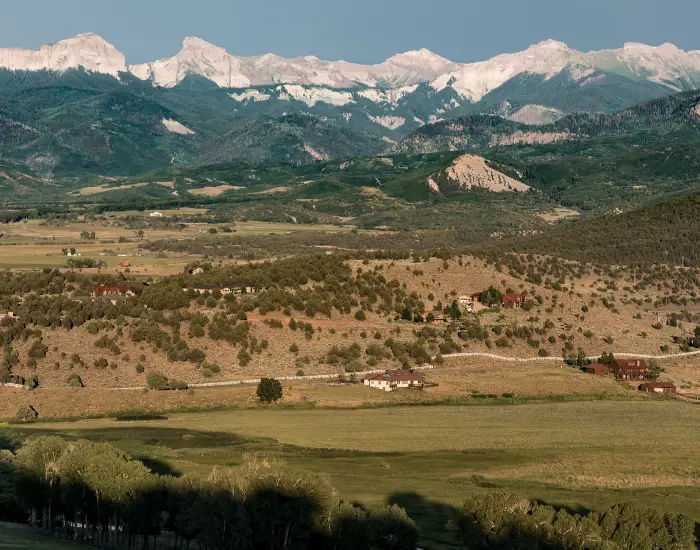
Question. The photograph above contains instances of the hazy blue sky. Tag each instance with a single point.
(356, 30)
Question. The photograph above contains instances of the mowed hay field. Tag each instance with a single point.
(584, 455)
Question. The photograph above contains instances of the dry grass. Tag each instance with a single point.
(630, 335)
(95, 189)
(558, 214)
(213, 191)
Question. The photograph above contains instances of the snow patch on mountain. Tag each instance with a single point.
(312, 96)
(177, 128)
(392, 96)
(315, 154)
(391, 122)
(250, 95)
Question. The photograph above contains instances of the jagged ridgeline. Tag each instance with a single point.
(78, 107)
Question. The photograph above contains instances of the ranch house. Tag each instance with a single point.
(394, 379)
(466, 303)
(437, 317)
(512, 300)
(630, 369)
(112, 290)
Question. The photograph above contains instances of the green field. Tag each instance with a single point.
(582, 455)
(12, 538)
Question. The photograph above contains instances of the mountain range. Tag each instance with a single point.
(77, 106)
(666, 65)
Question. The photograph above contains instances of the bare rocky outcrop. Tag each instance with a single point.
(471, 171)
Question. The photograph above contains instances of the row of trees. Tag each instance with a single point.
(497, 520)
(94, 493)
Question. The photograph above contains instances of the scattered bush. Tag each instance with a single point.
(269, 390)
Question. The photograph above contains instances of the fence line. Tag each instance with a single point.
(560, 358)
(426, 367)
(281, 378)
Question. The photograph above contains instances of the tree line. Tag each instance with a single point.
(93, 492)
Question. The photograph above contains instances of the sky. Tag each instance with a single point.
(363, 31)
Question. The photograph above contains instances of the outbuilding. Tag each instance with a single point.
(658, 386)
(599, 369)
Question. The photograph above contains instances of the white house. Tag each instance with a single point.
(466, 303)
(156, 215)
(394, 379)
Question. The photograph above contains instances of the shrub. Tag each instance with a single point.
(156, 380)
(74, 381)
(25, 413)
(244, 358)
(269, 390)
(360, 315)
(37, 350)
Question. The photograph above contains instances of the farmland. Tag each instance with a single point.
(13, 538)
(38, 243)
(428, 458)
(202, 299)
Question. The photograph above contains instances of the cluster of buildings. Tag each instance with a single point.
(112, 293)
(468, 303)
(233, 288)
(632, 369)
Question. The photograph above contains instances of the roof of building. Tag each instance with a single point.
(104, 289)
(598, 367)
(658, 384)
(627, 364)
(513, 297)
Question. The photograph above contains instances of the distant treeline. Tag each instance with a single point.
(663, 233)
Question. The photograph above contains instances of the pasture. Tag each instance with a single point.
(38, 243)
(16, 538)
(580, 454)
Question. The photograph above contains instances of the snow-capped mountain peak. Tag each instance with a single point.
(550, 44)
(197, 57)
(195, 43)
(87, 50)
(666, 65)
